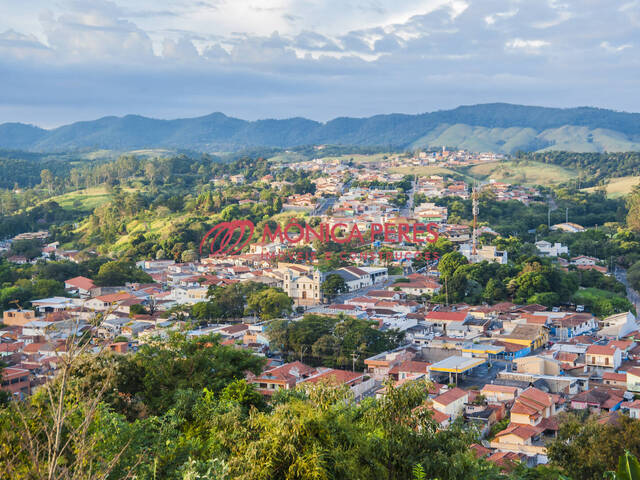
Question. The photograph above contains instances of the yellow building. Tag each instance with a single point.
(534, 336)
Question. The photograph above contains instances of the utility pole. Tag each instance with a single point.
(446, 290)
(474, 196)
(566, 215)
(549, 217)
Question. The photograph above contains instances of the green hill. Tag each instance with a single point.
(496, 127)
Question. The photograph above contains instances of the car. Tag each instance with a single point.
(579, 308)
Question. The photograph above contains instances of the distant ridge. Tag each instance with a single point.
(499, 127)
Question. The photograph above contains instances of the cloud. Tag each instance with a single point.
(277, 58)
(527, 45)
(615, 49)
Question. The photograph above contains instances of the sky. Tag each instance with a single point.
(70, 60)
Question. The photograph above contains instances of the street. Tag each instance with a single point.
(632, 295)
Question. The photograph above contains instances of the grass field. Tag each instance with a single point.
(618, 187)
(359, 158)
(425, 171)
(529, 173)
(288, 157)
(87, 199)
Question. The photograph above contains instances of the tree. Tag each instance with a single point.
(137, 309)
(269, 303)
(52, 435)
(117, 273)
(628, 468)
(30, 249)
(333, 285)
(587, 449)
(450, 262)
(5, 396)
(633, 275)
(74, 177)
(47, 179)
(189, 256)
(494, 291)
(633, 204)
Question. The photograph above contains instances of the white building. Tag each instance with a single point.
(551, 250)
(618, 326)
(487, 253)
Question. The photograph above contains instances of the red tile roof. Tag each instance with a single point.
(522, 431)
(446, 316)
(450, 396)
(601, 350)
(82, 283)
(337, 376)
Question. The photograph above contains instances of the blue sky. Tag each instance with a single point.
(62, 61)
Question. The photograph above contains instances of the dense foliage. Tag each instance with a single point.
(342, 342)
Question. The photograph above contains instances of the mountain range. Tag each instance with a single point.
(497, 127)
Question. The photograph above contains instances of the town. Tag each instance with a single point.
(507, 364)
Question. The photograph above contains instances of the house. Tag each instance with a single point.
(409, 369)
(487, 253)
(618, 326)
(53, 304)
(355, 278)
(81, 286)
(603, 357)
(518, 438)
(598, 399)
(105, 302)
(533, 336)
(584, 261)
(551, 250)
(442, 319)
(418, 286)
(615, 379)
(451, 402)
(633, 379)
(531, 407)
(285, 376)
(16, 381)
(572, 325)
(379, 366)
(632, 408)
(568, 227)
(538, 365)
(499, 393)
(18, 318)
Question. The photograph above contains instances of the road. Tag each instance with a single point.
(324, 206)
(483, 374)
(632, 295)
(407, 211)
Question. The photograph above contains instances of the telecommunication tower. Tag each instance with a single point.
(474, 238)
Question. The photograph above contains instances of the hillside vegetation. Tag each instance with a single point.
(497, 127)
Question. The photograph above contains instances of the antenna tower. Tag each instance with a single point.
(474, 196)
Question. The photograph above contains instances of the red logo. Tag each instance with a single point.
(225, 231)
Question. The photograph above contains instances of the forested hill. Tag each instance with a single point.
(490, 127)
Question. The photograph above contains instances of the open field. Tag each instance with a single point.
(425, 171)
(360, 158)
(288, 157)
(86, 199)
(527, 173)
(618, 187)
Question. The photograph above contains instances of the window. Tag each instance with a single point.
(263, 385)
